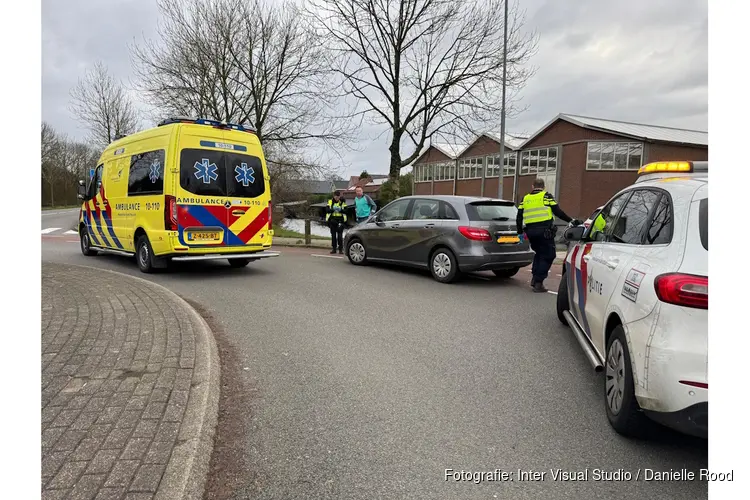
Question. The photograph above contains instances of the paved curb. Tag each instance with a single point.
(187, 470)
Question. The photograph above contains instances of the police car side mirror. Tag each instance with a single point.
(574, 233)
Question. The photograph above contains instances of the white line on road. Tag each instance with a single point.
(72, 231)
(550, 291)
(327, 256)
(50, 230)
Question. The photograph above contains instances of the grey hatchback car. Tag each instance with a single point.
(448, 235)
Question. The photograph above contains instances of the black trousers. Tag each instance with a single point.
(337, 234)
(542, 242)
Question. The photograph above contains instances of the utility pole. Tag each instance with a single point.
(502, 116)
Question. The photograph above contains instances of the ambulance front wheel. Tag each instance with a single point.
(86, 243)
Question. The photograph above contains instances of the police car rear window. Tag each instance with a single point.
(216, 173)
(703, 222)
(491, 211)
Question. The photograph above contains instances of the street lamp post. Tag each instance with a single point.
(502, 116)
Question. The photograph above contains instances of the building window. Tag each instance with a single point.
(471, 168)
(509, 169)
(444, 171)
(422, 173)
(614, 156)
(539, 161)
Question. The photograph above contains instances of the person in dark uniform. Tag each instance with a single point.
(536, 216)
(336, 218)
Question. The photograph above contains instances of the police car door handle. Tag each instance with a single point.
(395, 225)
(587, 257)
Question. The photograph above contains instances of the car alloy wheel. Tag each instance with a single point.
(441, 265)
(615, 376)
(356, 252)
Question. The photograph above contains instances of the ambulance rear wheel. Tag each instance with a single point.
(237, 263)
(86, 243)
(144, 255)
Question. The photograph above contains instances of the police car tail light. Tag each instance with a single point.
(170, 214)
(686, 290)
(475, 233)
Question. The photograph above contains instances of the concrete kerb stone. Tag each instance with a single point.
(187, 470)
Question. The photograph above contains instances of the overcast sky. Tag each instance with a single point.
(642, 60)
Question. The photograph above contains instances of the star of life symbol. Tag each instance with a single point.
(206, 171)
(245, 174)
(153, 173)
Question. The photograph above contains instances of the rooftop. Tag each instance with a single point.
(634, 130)
(512, 141)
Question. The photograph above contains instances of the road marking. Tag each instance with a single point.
(550, 291)
(327, 256)
(57, 212)
(50, 230)
(71, 232)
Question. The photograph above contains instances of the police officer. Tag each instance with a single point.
(536, 213)
(336, 218)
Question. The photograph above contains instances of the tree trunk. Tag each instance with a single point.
(395, 168)
(52, 194)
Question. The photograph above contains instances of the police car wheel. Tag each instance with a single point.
(237, 263)
(86, 243)
(622, 408)
(443, 265)
(356, 252)
(505, 273)
(563, 304)
(144, 255)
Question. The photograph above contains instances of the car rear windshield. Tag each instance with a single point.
(491, 211)
(215, 173)
(703, 222)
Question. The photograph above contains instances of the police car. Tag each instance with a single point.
(635, 294)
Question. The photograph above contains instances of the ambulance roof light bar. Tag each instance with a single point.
(673, 167)
(206, 121)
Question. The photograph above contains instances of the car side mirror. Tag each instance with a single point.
(81, 190)
(574, 233)
(378, 220)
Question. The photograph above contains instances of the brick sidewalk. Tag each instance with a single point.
(129, 388)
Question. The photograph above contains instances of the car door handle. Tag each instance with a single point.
(395, 225)
(104, 202)
(430, 224)
(238, 213)
(587, 257)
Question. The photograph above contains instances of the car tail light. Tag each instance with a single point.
(686, 290)
(270, 216)
(170, 213)
(475, 233)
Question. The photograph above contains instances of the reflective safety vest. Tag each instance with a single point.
(536, 208)
(598, 224)
(336, 210)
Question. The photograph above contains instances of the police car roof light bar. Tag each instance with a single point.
(206, 121)
(674, 167)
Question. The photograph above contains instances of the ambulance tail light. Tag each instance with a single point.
(475, 233)
(170, 213)
(270, 216)
(687, 290)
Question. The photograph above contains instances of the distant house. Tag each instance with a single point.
(370, 185)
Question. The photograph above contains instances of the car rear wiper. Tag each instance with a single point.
(501, 218)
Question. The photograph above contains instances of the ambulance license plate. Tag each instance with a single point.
(204, 236)
(508, 239)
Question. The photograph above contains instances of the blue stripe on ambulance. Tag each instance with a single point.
(87, 221)
(98, 223)
(111, 230)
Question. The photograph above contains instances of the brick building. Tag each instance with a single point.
(583, 160)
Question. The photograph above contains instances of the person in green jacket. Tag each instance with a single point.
(363, 205)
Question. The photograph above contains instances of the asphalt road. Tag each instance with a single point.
(345, 382)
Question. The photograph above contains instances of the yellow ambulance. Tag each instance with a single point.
(187, 189)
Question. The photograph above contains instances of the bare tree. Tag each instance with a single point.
(102, 105)
(244, 62)
(51, 145)
(425, 68)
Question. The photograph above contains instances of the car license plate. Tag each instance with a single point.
(204, 236)
(508, 239)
